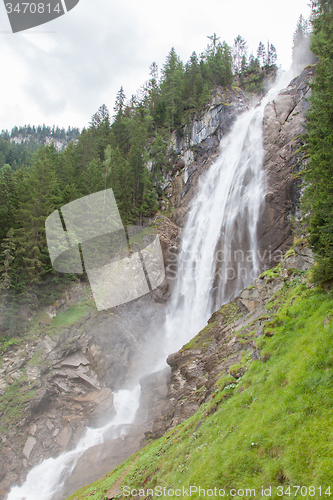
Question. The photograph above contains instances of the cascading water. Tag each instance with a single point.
(219, 255)
(218, 259)
(47, 479)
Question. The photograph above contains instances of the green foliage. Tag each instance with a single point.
(271, 427)
(318, 196)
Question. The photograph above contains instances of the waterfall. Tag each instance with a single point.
(219, 254)
(47, 479)
(218, 259)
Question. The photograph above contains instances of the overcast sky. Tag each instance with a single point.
(61, 72)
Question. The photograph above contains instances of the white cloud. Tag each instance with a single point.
(61, 72)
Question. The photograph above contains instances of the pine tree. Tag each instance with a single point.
(318, 197)
(214, 38)
(6, 259)
(172, 86)
(261, 54)
(8, 199)
(271, 55)
(238, 52)
(301, 52)
(38, 200)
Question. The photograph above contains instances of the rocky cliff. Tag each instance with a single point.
(283, 127)
(198, 147)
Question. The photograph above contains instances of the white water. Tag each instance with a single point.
(47, 478)
(222, 219)
(219, 254)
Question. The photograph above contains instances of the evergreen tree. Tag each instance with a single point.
(8, 199)
(38, 200)
(120, 123)
(6, 259)
(238, 52)
(301, 53)
(220, 65)
(214, 40)
(271, 55)
(172, 86)
(261, 54)
(318, 197)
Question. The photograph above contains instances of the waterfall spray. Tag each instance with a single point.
(219, 254)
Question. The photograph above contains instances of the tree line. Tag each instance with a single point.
(318, 174)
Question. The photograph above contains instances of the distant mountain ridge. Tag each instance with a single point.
(42, 134)
(17, 145)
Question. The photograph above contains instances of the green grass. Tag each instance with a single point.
(19, 393)
(71, 316)
(272, 427)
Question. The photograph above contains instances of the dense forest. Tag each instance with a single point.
(318, 197)
(112, 152)
(17, 146)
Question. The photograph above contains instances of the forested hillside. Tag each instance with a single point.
(17, 146)
(113, 152)
(318, 198)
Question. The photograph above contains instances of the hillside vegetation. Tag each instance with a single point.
(319, 141)
(271, 427)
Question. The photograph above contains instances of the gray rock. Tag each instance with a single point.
(284, 121)
(28, 447)
(33, 429)
(64, 437)
(75, 360)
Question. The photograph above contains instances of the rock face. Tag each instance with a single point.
(198, 151)
(102, 458)
(225, 346)
(283, 124)
(284, 121)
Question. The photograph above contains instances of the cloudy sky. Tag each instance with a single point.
(61, 72)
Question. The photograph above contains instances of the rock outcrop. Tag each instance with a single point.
(198, 147)
(60, 377)
(283, 126)
(102, 458)
(224, 348)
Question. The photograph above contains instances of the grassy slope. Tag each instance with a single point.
(271, 427)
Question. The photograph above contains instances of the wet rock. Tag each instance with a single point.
(64, 438)
(283, 124)
(75, 360)
(205, 133)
